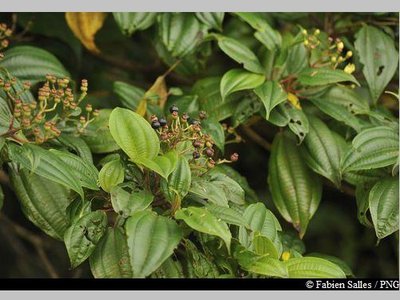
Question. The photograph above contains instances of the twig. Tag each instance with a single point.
(256, 137)
(35, 240)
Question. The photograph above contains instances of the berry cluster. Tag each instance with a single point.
(56, 103)
(182, 128)
(332, 54)
(5, 33)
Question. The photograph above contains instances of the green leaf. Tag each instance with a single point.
(163, 165)
(202, 220)
(5, 117)
(285, 114)
(129, 22)
(338, 112)
(296, 190)
(46, 164)
(84, 171)
(112, 174)
(169, 269)
(262, 221)
(126, 203)
(297, 59)
(238, 80)
(268, 36)
(250, 194)
(337, 261)
(321, 151)
(271, 94)
(97, 135)
(78, 145)
(258, 264)
(378, 54)
(248, 106)
(384, 206)
(226, 214)
(83, 235)
(77, 209)
(216, 131)
(110, 259)
(211, 19)
(264, 246)
(129, 95)
(348, 98)
(240, 53)
(179, 181)
(151, 240)
(313, 267)
(210, 100)
(42, 201)
(202, 266)
(134, 135)
(32, 63)
(181, 33)
(218, 189)
(323, 76)
(372, 148)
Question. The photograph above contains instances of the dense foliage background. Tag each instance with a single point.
(136, 58)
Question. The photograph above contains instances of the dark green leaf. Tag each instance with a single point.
(126, 203)
(151, 240)
(321, 151)
(384, 206)
(372, 148)
(378, 54)
(323, 76)
(271, 94)
(129, 95)
(32, 63)
(83, 235)
(110, 259)
(211, 19)
(129, 22)
(43, 202)
(181, 33)
(296, 190)
(240, 53)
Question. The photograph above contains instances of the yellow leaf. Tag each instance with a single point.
(159, 88)
(142, 107)
(294, 100)
(85, 25)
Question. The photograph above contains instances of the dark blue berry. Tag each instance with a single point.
(155, 125)
(163, 122)
(196, 155)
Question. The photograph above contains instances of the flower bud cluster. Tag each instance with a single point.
(56, 103)
(5, 33)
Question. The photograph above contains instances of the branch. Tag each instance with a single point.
(35, 240)
(254, 136)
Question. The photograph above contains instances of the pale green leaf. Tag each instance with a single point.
(126, 203)
(313, 267)
(202, 220)
(111, 174)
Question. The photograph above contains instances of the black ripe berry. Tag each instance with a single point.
(173, 108)
(163, 122)
(196, 155)
(155, 125)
